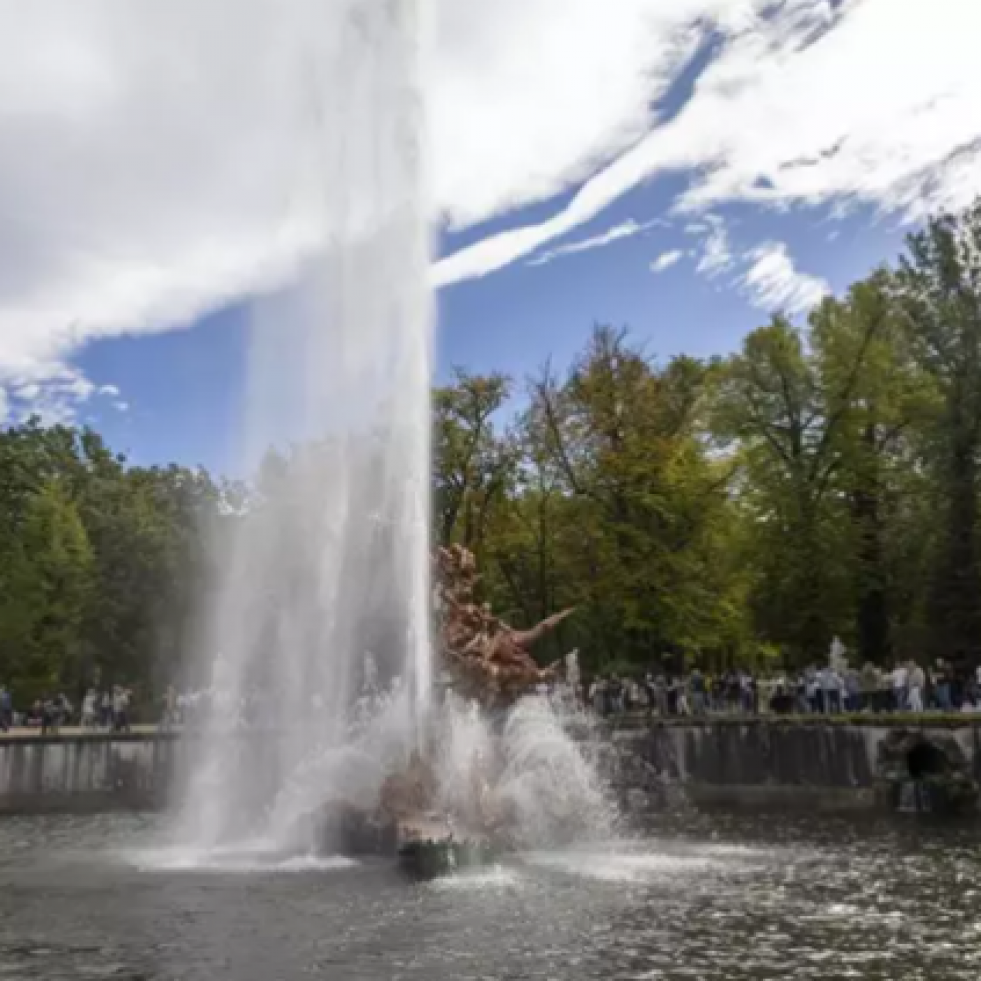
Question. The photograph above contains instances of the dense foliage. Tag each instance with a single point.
(100, 564)
(822, 480)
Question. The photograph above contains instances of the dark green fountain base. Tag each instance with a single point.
(433, 859)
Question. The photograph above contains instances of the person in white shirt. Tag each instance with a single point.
(90, 709)
(917, 682)
(900, 683)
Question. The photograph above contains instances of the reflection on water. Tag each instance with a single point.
(698, 898)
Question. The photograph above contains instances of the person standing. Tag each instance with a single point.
(650, 692)
(64, 709)
(90, 709)
(941, 687)
(120, 709)
(49, 716)
(900, 687)
(917, 683)
(745, 693)
(698, 692)
(105, 710)
(681, 697)
(827, 687)
(6, 710)
(616, 693)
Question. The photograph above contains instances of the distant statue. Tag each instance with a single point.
(836, 657)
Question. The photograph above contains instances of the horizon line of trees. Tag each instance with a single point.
(821, 481)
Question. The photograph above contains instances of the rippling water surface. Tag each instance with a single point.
(699, 897)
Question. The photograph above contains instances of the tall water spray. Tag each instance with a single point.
(330, 560)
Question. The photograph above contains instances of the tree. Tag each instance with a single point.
(776, 418)
(623, 438)
(938, 286)
(823, 480)
(472, 464)
(47, 584)
(883, 399)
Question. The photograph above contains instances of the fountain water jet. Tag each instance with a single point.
(308, 733)
(331, 559)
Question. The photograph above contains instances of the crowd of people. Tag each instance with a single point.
(107, 710)
(907, 687)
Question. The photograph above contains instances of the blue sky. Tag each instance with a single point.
(763, 153)
(185, 388)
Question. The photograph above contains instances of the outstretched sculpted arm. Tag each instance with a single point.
(526, 638)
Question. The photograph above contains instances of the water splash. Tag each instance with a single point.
(526, 768)
(550, 779)
(256, 856)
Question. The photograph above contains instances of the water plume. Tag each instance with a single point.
(330, 559)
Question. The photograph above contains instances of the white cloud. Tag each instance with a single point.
(666, 260)
(109, 390)
(716, 257)
(52, 391)
(765, 274)
(163, 158)
(529, 97)
(29, 392)
(880, 108)
(625, 230)
(772, 282)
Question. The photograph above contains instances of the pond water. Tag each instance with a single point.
(697, 897)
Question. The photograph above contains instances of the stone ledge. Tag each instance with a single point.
(782, 797)
(924, 720)
(22, 737)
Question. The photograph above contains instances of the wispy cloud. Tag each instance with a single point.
(773, 283)
(806, 104)
(143, 228)
(666, 260)
(764, 273)
(625, 230)
(716, 254)
(54, 392)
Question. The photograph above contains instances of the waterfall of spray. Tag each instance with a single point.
(534, 773)
(549, 780)
(331, 558)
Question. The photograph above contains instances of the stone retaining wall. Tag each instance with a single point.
(753, 763)
(84, 773)
(765, 762)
